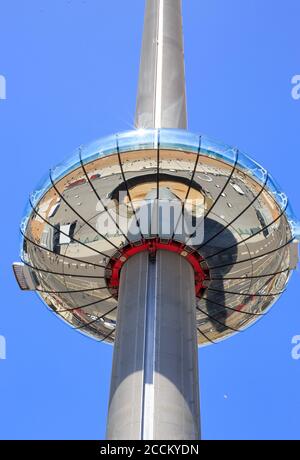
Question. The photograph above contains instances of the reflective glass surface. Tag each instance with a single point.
(89, 207)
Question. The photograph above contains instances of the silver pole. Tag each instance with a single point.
(154, 387)
(161, 100)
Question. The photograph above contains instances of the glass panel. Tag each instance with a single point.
(99, 148)
(179, 140)
(137, 140)
(293, 221)
(252, 167)
(63, 168)
(218, 150)
(276, 192)
(26, 216)
(41, 188)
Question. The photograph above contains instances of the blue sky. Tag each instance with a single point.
(71, 68)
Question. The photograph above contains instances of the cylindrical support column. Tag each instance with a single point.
(154, 385)
(161, 99)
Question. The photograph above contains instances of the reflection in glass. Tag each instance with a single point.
(78, 228)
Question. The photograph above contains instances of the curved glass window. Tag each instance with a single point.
(144, 139)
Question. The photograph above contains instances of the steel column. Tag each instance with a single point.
(154, 388)
(161, 100)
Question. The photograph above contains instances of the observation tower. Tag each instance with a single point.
(158, 241)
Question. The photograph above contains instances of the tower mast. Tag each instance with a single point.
(154, 386)
(161, 99)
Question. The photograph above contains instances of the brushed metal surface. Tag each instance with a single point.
(154, 387)
(161, 100)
